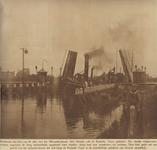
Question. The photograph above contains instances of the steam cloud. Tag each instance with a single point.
(95, 53)
(128, 34)
(131, 35)
(99, 58)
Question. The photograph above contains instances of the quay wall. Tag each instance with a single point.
(7, 88)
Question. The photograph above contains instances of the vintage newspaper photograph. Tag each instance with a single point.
(83, 69)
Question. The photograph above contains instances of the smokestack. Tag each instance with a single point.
(51, 71)
(36, 69)
(142, 67)
(135, 66)
(92, 73)
(86, 66)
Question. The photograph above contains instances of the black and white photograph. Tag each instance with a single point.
(78, 69)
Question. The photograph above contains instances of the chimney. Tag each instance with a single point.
(86, 66)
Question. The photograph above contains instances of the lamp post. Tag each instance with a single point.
(43, 63)
(24, 51)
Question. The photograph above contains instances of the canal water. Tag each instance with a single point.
(54, 116)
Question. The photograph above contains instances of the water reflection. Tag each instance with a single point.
(23, 126)
(119, 128)
(85, 114)
(51, 115)
(89, 120)
(41, 101)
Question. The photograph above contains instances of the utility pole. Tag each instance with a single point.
(24, 51)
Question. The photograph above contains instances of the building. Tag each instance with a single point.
(20, 73)
(139, 76)
(6, 75)
(42, 75)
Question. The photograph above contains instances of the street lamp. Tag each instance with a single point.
(43, 63)
(24, 51)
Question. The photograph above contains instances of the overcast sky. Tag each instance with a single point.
(47, 28)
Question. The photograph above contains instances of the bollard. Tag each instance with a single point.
(76, 91)
(88, 89)
(132, 121)
(92, 89)
(32, 84)
(20, 85)
(85, 90)
(14, 85)
(81, 91)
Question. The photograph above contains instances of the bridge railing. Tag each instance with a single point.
(20, 85)
(79, 91)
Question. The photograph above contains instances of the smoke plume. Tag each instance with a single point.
(129, 34)
(98, 58)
